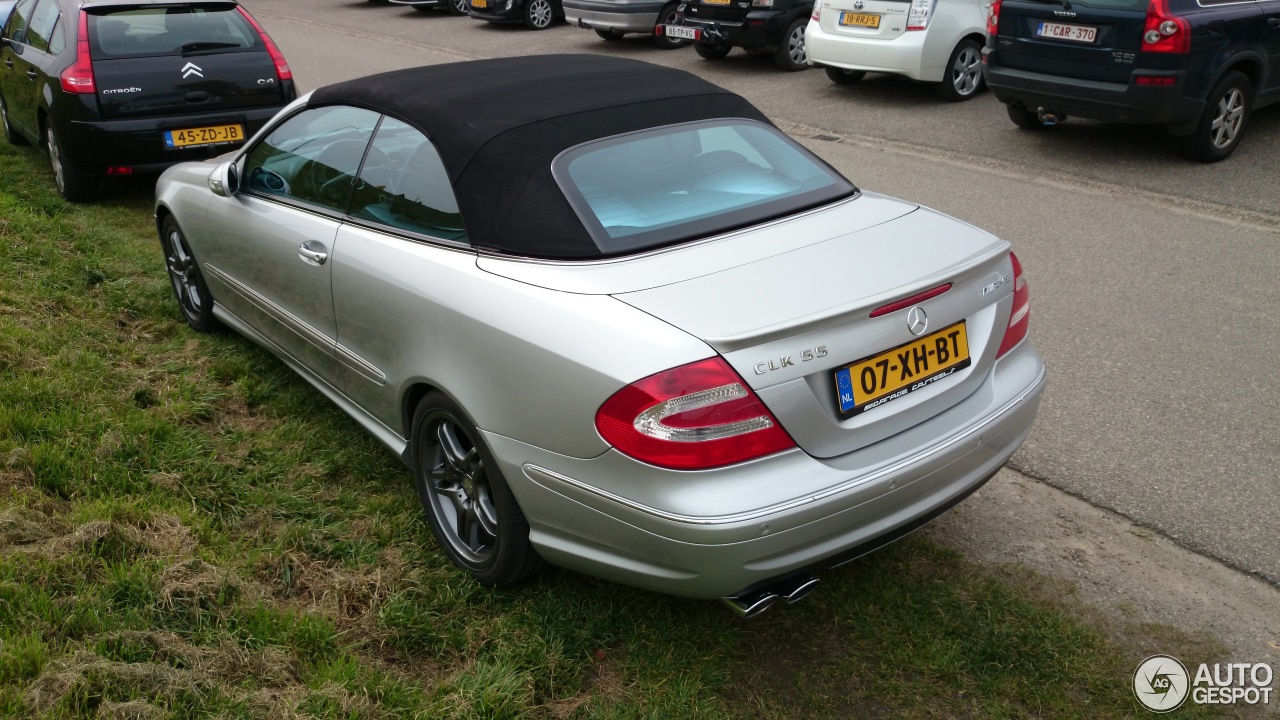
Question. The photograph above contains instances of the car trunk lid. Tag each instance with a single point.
(1095, 40)
(865, 20)
(156, 60)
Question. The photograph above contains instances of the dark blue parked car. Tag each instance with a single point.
(1198, 67)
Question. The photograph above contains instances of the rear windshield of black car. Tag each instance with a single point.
(169, 30)
(657, 187)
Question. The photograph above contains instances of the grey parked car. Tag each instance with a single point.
(612, 19)
(617, 321)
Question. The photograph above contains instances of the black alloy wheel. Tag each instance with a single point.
(1221, 126)
(711, 52)
(472, 512)
(790, 55)
(667, 16)
(840, 76)
(73, 185)
(194, 299)
(964, 73)
(539, 14)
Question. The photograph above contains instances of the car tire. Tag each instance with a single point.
(1025, 119)
(1226, 114)
(539, 14)
(73, 185)
(711, 52)
(457, 7)
(472, 512)
(10, 133)
(790, 55)
(610, 35)
(667, 16)
(840, 76)
(189, 289)
(963, 80)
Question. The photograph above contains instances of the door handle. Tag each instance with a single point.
(31, 74)
(314, 256)
(8, 63)
(1273, 21)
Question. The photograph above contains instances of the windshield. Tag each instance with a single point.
(679, 182)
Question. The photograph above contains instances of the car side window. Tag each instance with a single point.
(313, 156)
(40, 28)
(403, 184)
(18, 20)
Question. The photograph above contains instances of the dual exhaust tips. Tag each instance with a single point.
(751, 603)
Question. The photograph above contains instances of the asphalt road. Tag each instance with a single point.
(1153, 279)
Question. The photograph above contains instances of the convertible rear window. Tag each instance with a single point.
(656, 187)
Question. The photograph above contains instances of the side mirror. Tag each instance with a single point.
(224, 181)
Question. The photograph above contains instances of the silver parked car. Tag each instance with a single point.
(614, 319)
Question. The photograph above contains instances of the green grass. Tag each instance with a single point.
(188, 530)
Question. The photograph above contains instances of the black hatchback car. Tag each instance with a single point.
(718, 26)
(124, 87)
(1198, 67)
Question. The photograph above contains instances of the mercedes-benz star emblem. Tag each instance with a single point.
(858, 5)
(917, 321)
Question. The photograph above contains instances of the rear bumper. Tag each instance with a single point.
(499, 11)
(1105, 101)
(760, 28)
(92, 146)
(903, 55)
(714, 533)
(620, 16)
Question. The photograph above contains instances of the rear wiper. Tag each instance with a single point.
(192, 47)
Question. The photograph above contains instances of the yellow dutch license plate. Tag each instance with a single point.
(212, 135)
(874, 381)
(860, 20)
(479, 3)
(716, 2)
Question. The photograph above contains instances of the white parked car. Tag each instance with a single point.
(937, 41)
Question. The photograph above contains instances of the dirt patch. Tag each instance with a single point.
(1141, 583)
(32, 531)
(347, 594)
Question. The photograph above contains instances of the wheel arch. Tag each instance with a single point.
(1249, 64)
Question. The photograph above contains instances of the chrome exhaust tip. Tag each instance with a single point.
(792, 589)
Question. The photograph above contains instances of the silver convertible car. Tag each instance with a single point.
(614, 320)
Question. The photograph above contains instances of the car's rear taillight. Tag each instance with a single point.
(918, 17)
(282, 67)
(1165, 32)
(993, 18)
(78, 78)
(817, 11)
(692, 417)
(1020, 316)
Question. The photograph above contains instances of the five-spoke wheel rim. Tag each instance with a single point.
(459, 492)
(182, 273)
(540, 13)
(795, 45)
(55, 160)
(966, 73)
(461, 6)
(1226, 124)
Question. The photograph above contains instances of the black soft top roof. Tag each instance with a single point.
(499, 123)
